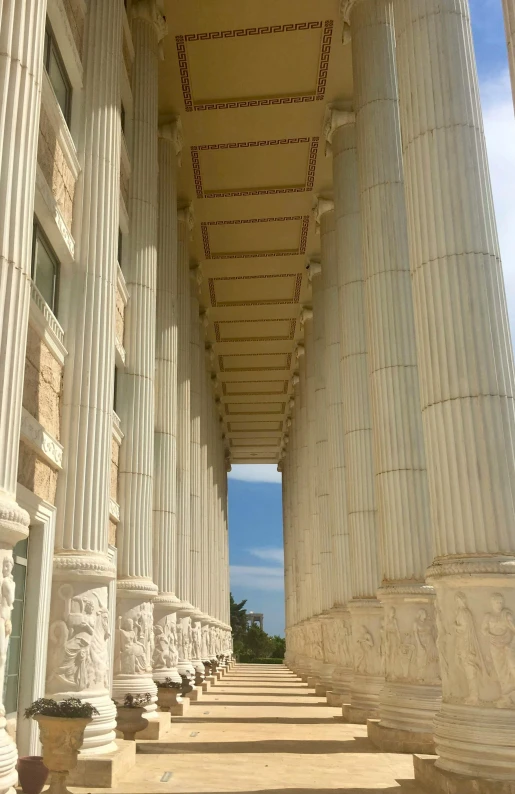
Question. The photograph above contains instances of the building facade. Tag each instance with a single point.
(254, 234)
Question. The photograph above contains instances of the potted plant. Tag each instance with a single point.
(61, 729)
(131, 716)
(32, 773)
(169, 693)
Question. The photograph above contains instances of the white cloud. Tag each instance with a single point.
(500, 139)
(256, 577)
(270, 554)
(255, 472)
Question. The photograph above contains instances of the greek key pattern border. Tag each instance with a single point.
(283, 390)
(223, 368)
(272, 302)
(256, 254)
(308, 183)
(287, 338)
(323, 65)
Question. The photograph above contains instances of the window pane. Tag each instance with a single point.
(45, 273)
(59, 82)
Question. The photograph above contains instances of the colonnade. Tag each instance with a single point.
(150, 602)
(412, 629)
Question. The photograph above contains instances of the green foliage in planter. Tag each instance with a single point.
(71, 708)
(268, 660)
(169, 684)
(134, 701)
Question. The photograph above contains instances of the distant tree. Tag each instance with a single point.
(278, 647)
(238, 619)
(258, 643)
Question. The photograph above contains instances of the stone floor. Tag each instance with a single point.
(260, 729)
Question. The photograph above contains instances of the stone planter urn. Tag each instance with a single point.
(62, 739)
(168, 697)
(32, 774)
(130, 720)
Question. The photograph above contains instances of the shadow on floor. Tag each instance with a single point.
(403, 787)
(275, 720)
(250, 703)
(354, 745)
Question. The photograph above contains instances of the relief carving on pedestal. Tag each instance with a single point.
(8, 589)
(196, 645)
(205, 642)
(134, 641)
(78, 657)
(165, 644)
(365, 658)
(477, 650)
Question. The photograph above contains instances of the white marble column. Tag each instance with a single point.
(365, 610)
(509, 24)
(185, 223)
(336, 627)
(22, 26)
(467, 384)
(165, 433)
(82, 569)
(412, 693)
(196, 362)
(321, 472)
(135, 586)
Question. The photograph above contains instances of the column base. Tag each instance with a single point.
(320, 690)
(357, 716)
(395, 740)
(158, 726)
(439, 781)
(104, 771)
(311, 681)
(334, 698)
(195, 694)
(180, 709)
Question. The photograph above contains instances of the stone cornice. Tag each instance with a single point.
(35, 435)
(151, 11)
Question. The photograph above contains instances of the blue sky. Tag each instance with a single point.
(255, 518)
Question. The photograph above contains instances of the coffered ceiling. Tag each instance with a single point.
(251, 82)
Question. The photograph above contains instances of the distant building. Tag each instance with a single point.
(253, 618)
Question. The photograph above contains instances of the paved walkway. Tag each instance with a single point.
(260, 729)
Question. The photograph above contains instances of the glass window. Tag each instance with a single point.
(45, 268)
(12, 663)
(57, 73)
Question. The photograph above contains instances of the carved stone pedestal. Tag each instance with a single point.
(157, 727)
(411, 695)
(368, 678)
(195, 694)
(104, 771)
(475, 727)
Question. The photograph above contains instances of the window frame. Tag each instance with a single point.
(38, 234)
(51, 46)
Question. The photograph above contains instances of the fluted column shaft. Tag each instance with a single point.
(305, 528)
(298, 534)
(22, 28)
(400, 461)
(82, 569)
(509, 24)
(321, 459)
(313, 527)
(466, 376)
(136, 384)
(359, 470)
(165, 434)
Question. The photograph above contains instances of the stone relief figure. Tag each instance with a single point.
(161, 657)
(100, 648)
(364, 651)
(7, 603)
(71, 665)
(205, 642)
(467, 650)
(180, 639)
(382, 648)
(197, 640)
(399, 647)
(330, 641)
(344, 644)
(188, 640)
(131, 653)
(426, 652)
(499, 628)
(144, 628)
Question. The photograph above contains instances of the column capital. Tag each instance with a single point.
(335, 118)
(280, 465)
(320, 207)
(300, 349)
(172, 131)
(295, 381)
(314, 269)
(186, 215)
(151, 11)
(196, 274)
(305, 315)
(346, 7)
